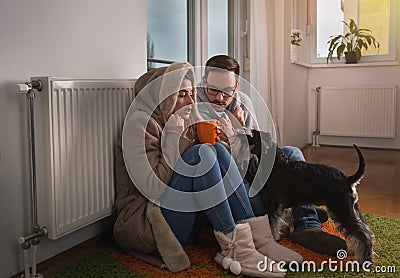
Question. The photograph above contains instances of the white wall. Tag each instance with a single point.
(354, 76)
(74, 38)
(299, 82)
(295, 91)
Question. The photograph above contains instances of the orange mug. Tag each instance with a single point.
(207, 131)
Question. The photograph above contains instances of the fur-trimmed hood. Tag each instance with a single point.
(157, 90)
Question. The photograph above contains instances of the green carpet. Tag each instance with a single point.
(387, 230)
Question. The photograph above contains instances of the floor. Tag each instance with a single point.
(379, 190)
(379, 193)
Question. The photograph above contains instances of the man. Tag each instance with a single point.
(219, 87)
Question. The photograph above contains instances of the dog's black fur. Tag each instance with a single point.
(294, 183)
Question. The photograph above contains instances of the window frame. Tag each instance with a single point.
(197, 28)
(312, 37)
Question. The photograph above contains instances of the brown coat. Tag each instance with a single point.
(140, 227)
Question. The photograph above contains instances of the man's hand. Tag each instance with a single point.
(239, 115)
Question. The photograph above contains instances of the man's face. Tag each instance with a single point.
(220, 87)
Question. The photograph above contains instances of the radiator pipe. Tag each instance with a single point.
(34, 253)
(316, 132)
(36, 232)
(26, 262)
(31, 95)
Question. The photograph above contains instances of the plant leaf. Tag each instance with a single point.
(354, 40)
(358, 54)
(339, 51)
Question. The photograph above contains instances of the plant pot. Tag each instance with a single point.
(294, 53)
(351, 57)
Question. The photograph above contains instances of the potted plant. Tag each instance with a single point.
(351, 43)
(296, 37)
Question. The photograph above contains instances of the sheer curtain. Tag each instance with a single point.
(264, 73)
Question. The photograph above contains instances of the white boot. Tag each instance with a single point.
(238, 254)
(265, 243)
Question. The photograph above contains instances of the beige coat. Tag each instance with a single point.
(140, 227)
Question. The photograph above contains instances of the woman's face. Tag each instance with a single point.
(185, 100)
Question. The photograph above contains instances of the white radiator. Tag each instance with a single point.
(357, 111)
(77, 123)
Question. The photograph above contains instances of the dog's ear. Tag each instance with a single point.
(266, 139)
(265, 142)
(252, 137)
(252, 168)
(254, 142)
(260, 142)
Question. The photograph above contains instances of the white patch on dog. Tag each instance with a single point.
(354, 189)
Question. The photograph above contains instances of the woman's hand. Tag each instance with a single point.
(173, 120)
(228, 130)
(176, 120)
(174, 123)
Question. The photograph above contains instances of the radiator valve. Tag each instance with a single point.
(24, 88)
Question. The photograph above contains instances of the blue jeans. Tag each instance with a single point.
(304, 217)
(236, 207)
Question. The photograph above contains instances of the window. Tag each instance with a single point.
(217, 27)
(375, 15)
(190, 30)
(324, 18)
(167, 29)
(329, 22)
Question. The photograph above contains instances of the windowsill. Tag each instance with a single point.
(344, 65)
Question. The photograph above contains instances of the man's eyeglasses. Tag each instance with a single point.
(227, 92)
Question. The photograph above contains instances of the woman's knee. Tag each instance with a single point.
(193, 150)
(196, 153)
(208, 149)
(221, 150)
(293, 153)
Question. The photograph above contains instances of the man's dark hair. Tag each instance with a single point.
(224, 62)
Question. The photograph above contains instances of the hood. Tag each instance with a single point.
(156, 91)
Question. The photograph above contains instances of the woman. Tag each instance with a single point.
(160, 145)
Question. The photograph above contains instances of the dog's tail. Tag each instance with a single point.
(361, 167)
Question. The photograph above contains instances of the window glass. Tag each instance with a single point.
(217, 27)
(329, 22)
(368, 14)
(374, 15)
(167, 23)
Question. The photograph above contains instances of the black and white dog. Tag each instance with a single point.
(294, 183)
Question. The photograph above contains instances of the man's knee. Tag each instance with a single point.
(293, 153)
